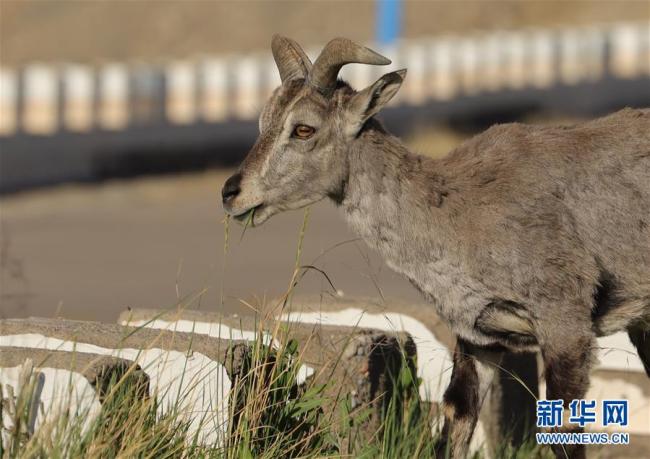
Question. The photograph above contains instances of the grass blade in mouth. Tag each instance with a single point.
(247, 218)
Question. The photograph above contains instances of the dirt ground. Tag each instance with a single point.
(88, 252)
(73, 30)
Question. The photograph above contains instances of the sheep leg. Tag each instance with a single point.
(567, 360)
(472, 375)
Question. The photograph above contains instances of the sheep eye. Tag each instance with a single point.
(302, 131)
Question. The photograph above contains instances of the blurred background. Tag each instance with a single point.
(119, 122)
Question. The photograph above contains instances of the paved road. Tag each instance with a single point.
(87, 252)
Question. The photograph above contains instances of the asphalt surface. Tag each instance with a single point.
(90, 251)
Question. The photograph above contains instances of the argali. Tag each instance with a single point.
(522, 238)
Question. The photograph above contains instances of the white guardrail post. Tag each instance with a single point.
(113, 97)
(78, 97)
(8, 101)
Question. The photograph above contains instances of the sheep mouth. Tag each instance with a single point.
(248, 214)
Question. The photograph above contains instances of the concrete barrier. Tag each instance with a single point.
(356, 334)
(39, 386)
(325, 323)
(193, 363)
(184, 371)
(361, 344)
(62, 382)
(364, 362)
(100, 370)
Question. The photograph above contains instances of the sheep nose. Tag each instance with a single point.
(231, 188)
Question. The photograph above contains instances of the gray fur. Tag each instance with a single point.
(523, 231)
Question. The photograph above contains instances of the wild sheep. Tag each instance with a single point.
(524, 237)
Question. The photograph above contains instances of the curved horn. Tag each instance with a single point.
(336, 54)
(291, 60)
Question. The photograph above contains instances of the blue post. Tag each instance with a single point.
(389, 19)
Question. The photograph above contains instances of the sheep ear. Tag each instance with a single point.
(368, 102)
